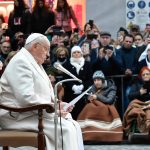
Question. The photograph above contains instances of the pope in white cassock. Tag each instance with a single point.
(24, 83)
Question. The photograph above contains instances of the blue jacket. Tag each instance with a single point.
(128, 58)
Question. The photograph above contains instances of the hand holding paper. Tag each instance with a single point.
(75, 100)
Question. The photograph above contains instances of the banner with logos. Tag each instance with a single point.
(137, 12)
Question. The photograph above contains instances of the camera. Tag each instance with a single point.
(92, 36)
(108, 47)
(57, 30)
(91, 22)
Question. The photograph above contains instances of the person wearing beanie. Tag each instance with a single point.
(99, 119)
(101, 84)
(82, 70)
(98, 75)
(76, 49)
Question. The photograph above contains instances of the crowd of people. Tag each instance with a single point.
(105, 64)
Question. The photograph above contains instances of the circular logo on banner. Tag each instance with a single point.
(141, 4)
(130, 14)
(131, 4)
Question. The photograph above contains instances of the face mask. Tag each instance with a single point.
(61, 59)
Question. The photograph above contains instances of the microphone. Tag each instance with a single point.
(61, 68)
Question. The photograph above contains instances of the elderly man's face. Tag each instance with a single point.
(42, 52)
(5, 47)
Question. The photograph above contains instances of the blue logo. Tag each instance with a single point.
(131, 4)
(141, 4)
(130, 14)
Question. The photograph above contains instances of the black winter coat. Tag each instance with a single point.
(107, 94)
(135, 92)
(85, 74)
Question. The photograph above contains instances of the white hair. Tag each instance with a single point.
(40, 39)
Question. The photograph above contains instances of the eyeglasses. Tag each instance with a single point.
(145, 74)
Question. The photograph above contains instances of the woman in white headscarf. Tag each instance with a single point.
(82, 70)
(144, 59)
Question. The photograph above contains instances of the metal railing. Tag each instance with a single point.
(115, 77)
(121, 78)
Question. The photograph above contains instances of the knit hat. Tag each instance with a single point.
(32, 37)
(98, 74)
(76, 48)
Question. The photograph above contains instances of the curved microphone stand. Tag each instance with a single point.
(55, 106)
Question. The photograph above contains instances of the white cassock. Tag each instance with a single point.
(25, 83)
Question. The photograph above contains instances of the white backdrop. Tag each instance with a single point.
(109, 15)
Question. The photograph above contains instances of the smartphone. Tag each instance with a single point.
(92, 36)
(108, 47)
(91, 22)
(76, 30)
(57, 30)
